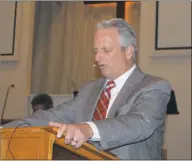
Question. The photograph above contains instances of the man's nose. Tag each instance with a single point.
(98, 56)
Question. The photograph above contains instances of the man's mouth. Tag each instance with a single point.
(101, 65)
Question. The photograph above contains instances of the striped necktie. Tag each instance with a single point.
(103, 103)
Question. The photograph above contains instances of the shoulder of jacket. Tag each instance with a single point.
(92, 83)
(151, 80)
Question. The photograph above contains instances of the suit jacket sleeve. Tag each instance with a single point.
(145, 117)
(64, 113)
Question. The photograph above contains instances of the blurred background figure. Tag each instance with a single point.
(41, 102)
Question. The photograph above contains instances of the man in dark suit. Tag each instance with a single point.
(124, 112)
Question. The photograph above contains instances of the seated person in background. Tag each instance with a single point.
(41, 102)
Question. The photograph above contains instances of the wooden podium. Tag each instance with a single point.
(36, 143)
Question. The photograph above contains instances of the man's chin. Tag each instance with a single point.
(105, 74)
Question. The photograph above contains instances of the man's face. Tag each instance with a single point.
(111, 60)
(38, 107)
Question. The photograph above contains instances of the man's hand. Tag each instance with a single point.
(75, 134)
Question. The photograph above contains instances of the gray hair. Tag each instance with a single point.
(126, 32)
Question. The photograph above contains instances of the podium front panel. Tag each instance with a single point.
(25, 143)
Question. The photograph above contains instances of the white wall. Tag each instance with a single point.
(175, 66)
(18, 72)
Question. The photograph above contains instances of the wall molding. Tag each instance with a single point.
(156, 56)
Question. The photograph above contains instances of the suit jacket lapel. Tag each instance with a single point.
(93, 99)
(129, 86)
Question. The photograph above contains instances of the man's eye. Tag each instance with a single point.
(95, 51)
(107, 50)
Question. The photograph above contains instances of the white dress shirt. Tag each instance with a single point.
(119, 82)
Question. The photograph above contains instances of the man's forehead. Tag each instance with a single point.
(105, 39)
(110, 32)
(103, 42)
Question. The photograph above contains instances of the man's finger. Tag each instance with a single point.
(78, 144)
(69, 136)
(73, 143)
(56, 124)
(61, 130)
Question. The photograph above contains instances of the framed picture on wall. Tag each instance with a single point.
(174, 31)
(8, 10)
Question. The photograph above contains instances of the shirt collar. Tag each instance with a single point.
(120, 81)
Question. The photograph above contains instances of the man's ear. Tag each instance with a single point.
(129, 52)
